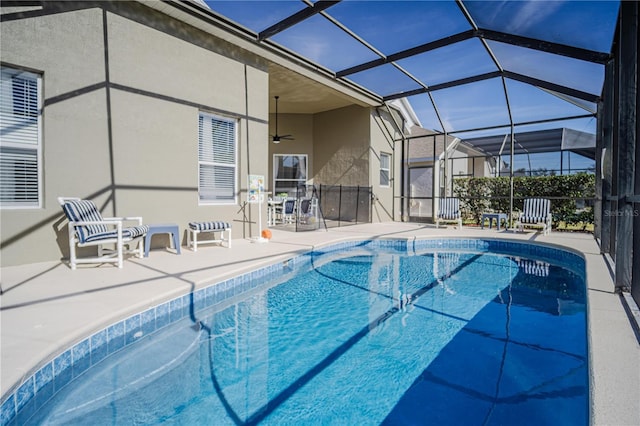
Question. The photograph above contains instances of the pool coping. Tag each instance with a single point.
(601, 290)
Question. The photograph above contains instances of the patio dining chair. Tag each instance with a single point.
(535, 213)
(88, 228)
(449, 211)
(289, 211)
(308, 210)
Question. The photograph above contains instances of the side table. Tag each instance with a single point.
(164, 228)
(498, 217)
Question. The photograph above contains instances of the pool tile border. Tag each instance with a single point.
(40, 386)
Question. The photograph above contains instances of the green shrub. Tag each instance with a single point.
(478, 195)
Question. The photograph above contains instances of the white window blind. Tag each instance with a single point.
(217, 160)
(385, 168)
(20, 123)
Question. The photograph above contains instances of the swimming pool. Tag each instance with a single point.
(369, 332)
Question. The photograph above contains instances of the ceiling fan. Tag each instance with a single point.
(277, 138)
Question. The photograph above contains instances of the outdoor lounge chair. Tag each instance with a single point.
(87, 228)
(449, 211)
(535, 213)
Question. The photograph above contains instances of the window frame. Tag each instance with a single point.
(205, 200)
(28, 148)
(387, 169)
(301, 181)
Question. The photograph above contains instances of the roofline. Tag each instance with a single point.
(404, 107)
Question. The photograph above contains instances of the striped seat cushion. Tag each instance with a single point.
(84, 211)
(449, 208)
(532, 219)
(535, 210)
(127, 233)
(209, 226)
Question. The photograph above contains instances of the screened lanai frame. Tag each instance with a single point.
(320, 32)
(481, 54)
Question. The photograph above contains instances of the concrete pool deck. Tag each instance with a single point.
(46, 307)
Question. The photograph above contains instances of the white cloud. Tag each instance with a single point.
(532, 13)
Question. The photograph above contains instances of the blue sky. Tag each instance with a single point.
(392, 26)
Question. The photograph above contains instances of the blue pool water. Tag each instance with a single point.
(363, 336)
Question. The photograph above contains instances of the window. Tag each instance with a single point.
(385, 168)
(289, 172)
(20, 139)
(217, 168)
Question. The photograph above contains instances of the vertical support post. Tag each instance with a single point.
(597, 204)
(446, 167)
(635, 259)
(435, 178)
(358, 202)
(259, 219)
(607, 108)
(627, 68)
(404, 205)
(511, 177)
(339, 205)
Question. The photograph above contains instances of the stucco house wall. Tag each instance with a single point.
(385, 138)
(341, 147)
(122, 89)
(123, 85)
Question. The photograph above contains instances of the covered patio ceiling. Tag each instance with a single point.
(469, 68)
